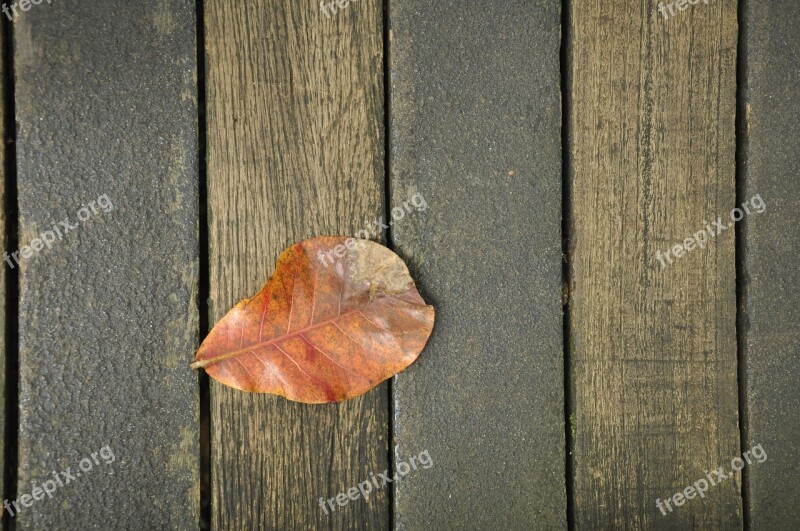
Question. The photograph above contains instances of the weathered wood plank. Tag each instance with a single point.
(107, 139)
(476, 131)
(295, 150)
(771, 249)
(653, 349)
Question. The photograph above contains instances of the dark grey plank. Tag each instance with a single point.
(106, 107)
(772, 248)
(476, 131)
(5, 277)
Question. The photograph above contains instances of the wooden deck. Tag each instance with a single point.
(606, 216)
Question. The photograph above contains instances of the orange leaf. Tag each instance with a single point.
(333, 322)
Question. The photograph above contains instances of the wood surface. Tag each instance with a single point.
(652, 350)
(295, 150)
(106, 102)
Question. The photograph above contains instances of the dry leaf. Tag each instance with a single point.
(338, 317)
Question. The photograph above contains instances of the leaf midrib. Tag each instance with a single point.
(208, 361)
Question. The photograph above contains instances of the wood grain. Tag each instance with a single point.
(652, 349)
(295, 150)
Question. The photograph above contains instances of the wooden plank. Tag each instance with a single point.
(295, 150)
(653, 349)
(107, 140)
(476, 132)
(771, 247)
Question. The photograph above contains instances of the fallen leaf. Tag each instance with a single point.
(338, 317)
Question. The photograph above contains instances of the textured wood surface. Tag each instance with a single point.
(771, 249)
(106, 107)
(106, 103)
(652, 350)
(295, 150)
(476, 119)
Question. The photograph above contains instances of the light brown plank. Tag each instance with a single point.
(653, 350)
(295, 150)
